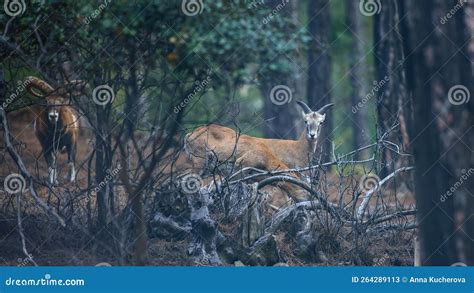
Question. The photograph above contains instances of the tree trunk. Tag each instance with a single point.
(137, 232)
(279, 119)
(101, 166)
(469, 159)
(358, 63)
(393, 105)
(319, 68)
(3, 86)
(279, 89)
(442, 134)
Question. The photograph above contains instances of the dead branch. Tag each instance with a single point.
(295, 170)
(368, 194)
(24, 171)
(395, 215)
(384, 228)
(332, 208)
(279, 217)
(20, 230)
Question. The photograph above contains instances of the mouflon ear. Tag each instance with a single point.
(323, 108)
(305, 107)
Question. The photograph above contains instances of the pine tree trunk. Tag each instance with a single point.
(358, 63)
(319, 68)
(280, 117)
(442, 134)
(469, 159)
(393, 105)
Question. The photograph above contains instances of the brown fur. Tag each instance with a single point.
(61, 135)
(266, 154)
(248, 152)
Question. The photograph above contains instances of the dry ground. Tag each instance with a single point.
(66, 247)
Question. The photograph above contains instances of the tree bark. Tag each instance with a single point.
(393, 105)
(442, 133)
(469, 207)
(137, 233)
(319, 68)
(280, 116)
(358, 67)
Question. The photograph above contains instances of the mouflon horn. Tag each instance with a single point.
(305, 107)
(320, 111)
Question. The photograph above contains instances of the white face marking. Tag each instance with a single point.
(53, 115)
(313, 122)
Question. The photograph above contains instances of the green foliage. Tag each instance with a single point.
(234, 43)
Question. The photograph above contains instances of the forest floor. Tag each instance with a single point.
(65, 247)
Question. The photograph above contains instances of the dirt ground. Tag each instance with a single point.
(55, 247)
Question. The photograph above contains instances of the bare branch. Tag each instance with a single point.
(368, 194)
(24, 171)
